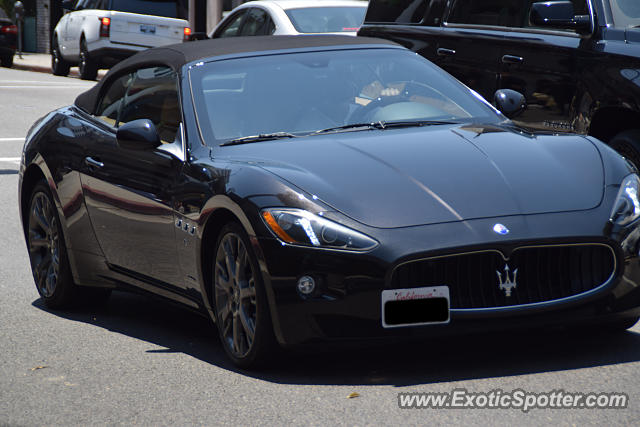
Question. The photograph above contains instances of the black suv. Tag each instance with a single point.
(577, 62)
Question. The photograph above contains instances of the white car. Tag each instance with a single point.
(99, 33)
(290, 17)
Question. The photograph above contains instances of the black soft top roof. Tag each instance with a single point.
(175, 56)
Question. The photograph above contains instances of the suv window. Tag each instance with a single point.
(153, 95)
(500, 13)
(98, 4)
(426, 12)
(82, 4)
(166, 8)
(111, 103)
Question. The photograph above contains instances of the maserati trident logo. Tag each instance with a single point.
(507, 285)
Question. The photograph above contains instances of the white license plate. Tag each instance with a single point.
(147, 29)
(415, 306)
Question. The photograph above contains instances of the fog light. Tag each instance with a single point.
(306, 285)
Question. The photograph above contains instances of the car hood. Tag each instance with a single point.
(406, 177)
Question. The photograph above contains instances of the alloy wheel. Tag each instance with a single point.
(235, 295)
(44, 244)
(83, 61)
(55, 57)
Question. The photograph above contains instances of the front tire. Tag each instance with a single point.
(627, 143)
(48, 255)
(7, 61)
(240, 302)
(620, 325)
(88, 67)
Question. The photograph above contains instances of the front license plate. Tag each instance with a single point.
(147, 29)
(415, 306)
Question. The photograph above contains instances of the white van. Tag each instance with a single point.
(98, 33)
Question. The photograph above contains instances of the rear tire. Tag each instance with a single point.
(48, 255)
(620, 325)
(88, 67)
(7, 61)
(627, 143)
(240, 301)
(59, 66)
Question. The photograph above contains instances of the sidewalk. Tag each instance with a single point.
(41, 63)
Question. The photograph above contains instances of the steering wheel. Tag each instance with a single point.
(363, 114)
(360, 115)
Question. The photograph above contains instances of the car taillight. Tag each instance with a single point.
(187, 33)
(105, 25)
(9, 29)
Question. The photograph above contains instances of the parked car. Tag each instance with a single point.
(281, 17)
(8, 40)
(98, 33)
(297, 189)
(577, 62)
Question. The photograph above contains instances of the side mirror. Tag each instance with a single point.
(510, 102)
(560, 15)
(67, 4)
(138, 135)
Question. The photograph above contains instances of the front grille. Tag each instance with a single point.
(544, 273)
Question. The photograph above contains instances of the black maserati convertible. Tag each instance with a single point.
(301, 189)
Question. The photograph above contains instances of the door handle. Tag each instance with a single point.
(445, 52)
(93, 163)
(512, 59)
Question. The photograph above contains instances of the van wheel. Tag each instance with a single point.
(88, 67)
(627, 143)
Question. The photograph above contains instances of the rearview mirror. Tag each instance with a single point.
(560, 15)
(138, 135)
(510, 102)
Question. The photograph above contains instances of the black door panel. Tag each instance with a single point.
(472, 56)
(543, 68)
(130, 204)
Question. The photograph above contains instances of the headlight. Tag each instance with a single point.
(626, 209)
(299, 227)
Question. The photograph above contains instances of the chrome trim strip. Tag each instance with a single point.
(195, 110)
(512, 29)
(529, 305)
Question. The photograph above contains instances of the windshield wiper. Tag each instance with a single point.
(414, 123)
(349, 127)
(258, 138)
(382, 125)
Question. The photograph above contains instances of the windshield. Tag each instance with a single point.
(626, 13)
(302, 93)
(166, 8)
(326, 19)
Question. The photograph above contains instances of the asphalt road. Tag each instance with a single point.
(144, 362)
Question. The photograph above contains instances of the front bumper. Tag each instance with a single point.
(348, 306)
